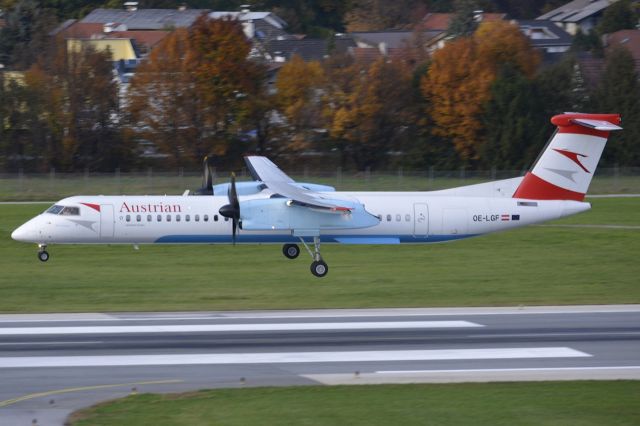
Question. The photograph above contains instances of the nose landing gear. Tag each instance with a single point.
(43, 254)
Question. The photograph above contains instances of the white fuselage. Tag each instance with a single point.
(405, 217)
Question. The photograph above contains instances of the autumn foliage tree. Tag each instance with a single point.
(458, 83)
(70, 104)
(192, 93)
(370, 110)
(299, 102)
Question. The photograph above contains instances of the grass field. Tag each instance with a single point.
(531, 266)
(547, 403)
(54, 187)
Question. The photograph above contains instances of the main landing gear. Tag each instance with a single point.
(318, 267)
(291, 251)
(43, 254)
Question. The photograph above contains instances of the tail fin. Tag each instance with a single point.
(564, 169)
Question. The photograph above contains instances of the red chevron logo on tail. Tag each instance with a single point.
(573, 156)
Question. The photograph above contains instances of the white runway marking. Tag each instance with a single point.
(22, 331)
(498, 370)
(289, 357)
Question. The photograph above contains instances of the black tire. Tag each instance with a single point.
(319, 268)
(291, 251)
(43, 256)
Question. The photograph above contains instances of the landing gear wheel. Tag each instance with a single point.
(319, 268)
(43, 255)
(291, 251)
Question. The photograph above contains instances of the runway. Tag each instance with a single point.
(51, 365)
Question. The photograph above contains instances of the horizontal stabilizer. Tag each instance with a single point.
(596, 124)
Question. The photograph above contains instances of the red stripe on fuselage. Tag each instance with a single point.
(96, 207)
(534, 188)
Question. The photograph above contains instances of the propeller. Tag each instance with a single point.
(232, 210)
(207, 178)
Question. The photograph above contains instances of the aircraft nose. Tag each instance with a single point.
(22, 233)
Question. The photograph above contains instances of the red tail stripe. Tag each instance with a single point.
(534, 188)
(581, 130)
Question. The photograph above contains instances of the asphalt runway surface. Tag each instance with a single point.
(53, 364)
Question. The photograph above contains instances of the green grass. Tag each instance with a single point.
(46, 187)
(546, 403)
(531, 266)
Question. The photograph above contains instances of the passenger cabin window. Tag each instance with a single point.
(168, 218)
(407, 217)
(138, 218)
(128, 218)
(149, 218)
(197, 218)
(187, 218)
(215, 218)
(159, 218)
(388, 218)
(398, 218)
(206, 218)
(177, 218)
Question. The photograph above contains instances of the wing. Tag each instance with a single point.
(262, 169)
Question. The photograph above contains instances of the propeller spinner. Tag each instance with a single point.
(232, 210)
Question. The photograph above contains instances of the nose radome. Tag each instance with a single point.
(22, 233)
(18, 234)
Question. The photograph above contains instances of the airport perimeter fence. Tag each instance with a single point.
(21, 186)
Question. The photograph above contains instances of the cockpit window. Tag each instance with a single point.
(55, 209)
(64, 211)
(70, 211)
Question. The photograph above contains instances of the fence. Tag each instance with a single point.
(51, 186)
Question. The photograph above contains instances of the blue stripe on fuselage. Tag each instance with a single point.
(343, 239)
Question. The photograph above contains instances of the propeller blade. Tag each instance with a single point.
(232, 210)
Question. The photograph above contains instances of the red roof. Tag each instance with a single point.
(629, 39)
(96, 30)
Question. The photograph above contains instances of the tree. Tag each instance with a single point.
(512, 122)
(619, 92)
(375, 15)
(80, 99)
(25, 34)
(298, 100)
(191, 94)
(373, 113)
(618, 16)
(458, 83)
(463, 22)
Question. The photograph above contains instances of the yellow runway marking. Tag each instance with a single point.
(83, 388)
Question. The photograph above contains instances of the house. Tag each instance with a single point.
(437, 24)
(578, 15)
(145, 19)
(410, 45)
(440, 21)
(260, 26)
(544, 35)
(309, 49)
(628, 39)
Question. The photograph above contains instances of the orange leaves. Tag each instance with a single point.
(194, 90)
(458, 83)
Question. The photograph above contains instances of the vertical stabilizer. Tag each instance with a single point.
(565, 168)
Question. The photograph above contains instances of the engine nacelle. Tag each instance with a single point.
(279, 214)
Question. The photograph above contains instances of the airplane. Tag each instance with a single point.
(273, 208)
